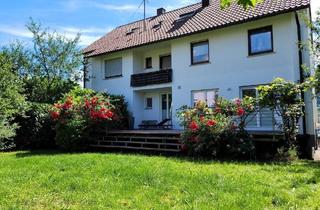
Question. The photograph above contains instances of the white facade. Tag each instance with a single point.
(229, 69)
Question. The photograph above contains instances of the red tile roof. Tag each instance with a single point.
(204, 19)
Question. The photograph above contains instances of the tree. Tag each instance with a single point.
(11, 101)
(56, 63)
(48, 69)
(244, 3)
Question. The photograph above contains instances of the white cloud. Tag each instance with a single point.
(88, 35)
(15, 31)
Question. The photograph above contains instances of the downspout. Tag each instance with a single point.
(301, 72)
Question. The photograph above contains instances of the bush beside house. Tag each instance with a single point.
(82, 114)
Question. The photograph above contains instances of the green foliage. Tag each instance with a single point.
(36, 128)
(218, 131)
(284, 98)
(81, 114)
(244, 3)
(11, 101)
(72, 134)
(121, 111)
(49, 69)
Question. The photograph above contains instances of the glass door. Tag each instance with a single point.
(166, 110)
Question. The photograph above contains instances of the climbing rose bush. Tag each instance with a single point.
(78, 117)
(218, 131)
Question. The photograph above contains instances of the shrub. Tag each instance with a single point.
(121, 111)
(218, 131)
(78, 116)
(284, 98)
(35, 128)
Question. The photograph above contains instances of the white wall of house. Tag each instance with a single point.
(229, 68)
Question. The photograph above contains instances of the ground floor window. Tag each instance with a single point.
(265, 117)
(148, 103)
(209, 96)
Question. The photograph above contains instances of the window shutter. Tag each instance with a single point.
(113, 67)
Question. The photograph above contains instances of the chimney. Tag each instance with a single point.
(160, 11)
(205, 3)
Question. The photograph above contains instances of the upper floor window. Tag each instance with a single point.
(165, 62)
(113, 68)
(260, 40)
(200, 52)
(209, 96)
(148, 63)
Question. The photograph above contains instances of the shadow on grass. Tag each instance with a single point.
(32, 153)
(174, 156)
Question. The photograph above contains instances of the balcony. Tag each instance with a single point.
(151, 78)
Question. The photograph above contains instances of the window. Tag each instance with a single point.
(165, 62)
(186, 16)
(209, 96)
(265, 118)
(260, 40)
(148, 103)
(113, 68)
(200, 52)
(148, 63)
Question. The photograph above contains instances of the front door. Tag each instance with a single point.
(166, 101)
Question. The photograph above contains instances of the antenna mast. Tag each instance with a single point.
(144, 15)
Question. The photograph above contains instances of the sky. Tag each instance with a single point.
(92, 18)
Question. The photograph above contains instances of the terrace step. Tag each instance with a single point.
(150, 140)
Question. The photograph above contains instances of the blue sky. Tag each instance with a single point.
(92, 18)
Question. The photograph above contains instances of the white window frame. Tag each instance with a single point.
(258, 117)
(215, 90)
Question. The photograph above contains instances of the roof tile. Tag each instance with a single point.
(207, 18)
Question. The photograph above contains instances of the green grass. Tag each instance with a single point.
(36, 180)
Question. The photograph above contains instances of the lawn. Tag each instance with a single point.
(35, 180)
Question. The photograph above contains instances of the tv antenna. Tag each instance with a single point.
(144, 15)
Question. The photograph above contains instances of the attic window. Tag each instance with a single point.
(157, 26)
(186, 16)
(132, 31)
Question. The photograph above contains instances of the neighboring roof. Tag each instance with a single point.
(166, 26)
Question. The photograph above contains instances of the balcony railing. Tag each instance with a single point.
(151, 78)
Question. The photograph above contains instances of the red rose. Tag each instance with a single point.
(109, 114)
(55, 115)
(193, 126)
(201, 118)
(67, 104)
(240, 112)
(211, 123)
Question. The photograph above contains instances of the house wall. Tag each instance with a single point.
(229, 69)
(230, 66)
(118, 85)
(141, 55)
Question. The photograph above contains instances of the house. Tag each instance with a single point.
(199, 52)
